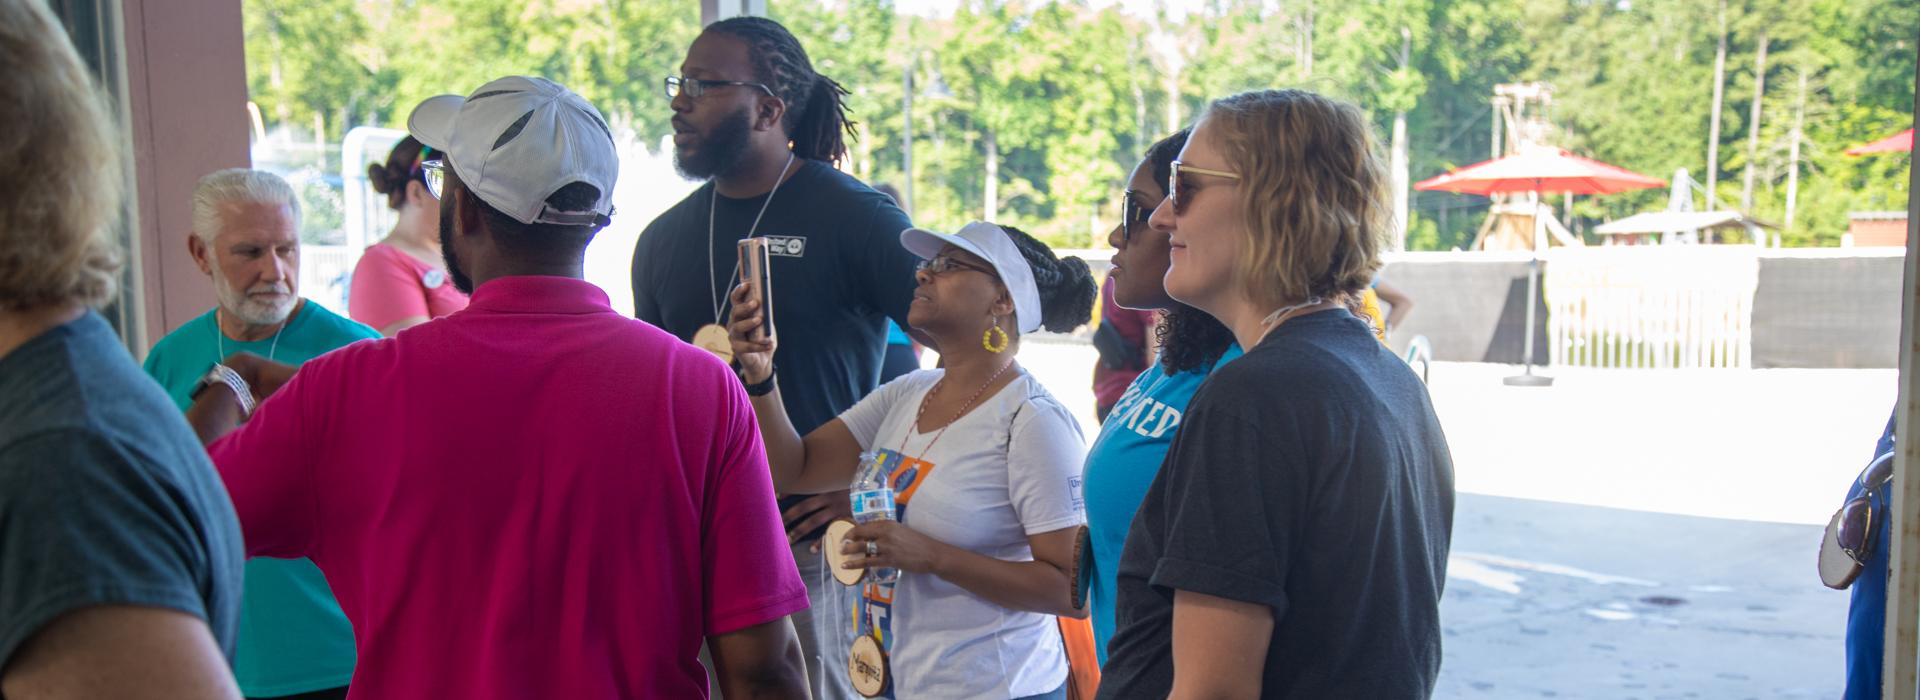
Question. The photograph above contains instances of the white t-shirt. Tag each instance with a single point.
(1008, 469)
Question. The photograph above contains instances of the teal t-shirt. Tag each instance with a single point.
(1121, 466)
(895, 336)
(293, 636)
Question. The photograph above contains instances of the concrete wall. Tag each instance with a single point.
(1473, 307)
(1828, 311)
(1831, 308)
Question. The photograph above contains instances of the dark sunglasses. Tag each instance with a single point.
(1858, 521)
(1178, 183)
(1853, 533)
(942, 264)
(1132, 215)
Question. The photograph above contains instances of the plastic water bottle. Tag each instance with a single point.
(873, 500)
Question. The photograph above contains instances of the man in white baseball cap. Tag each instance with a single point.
(533, 497)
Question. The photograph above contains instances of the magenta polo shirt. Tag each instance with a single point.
(532, 498)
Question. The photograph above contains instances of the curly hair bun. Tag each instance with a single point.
(381, 179)
(390, 178)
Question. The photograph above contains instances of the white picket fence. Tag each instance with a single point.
(325, 271)
(1651, 307)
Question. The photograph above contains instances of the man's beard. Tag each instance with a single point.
(251, 311)
(460, 279)
(719, 152)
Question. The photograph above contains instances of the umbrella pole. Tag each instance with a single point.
(1528, 378)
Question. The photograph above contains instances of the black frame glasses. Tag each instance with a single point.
(695, 87)
(942, 264)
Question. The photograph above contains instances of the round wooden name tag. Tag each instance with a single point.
(867, 667)
(713, 338)
(835, 536)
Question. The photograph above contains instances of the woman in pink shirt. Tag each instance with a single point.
(402, 281)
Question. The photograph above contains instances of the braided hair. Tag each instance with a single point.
(1066, 287)
(1188, 337)
(816, 118)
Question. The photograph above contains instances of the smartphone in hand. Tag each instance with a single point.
(756, 271)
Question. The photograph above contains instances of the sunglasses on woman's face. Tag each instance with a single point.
(942, 264)
(1179, 183)
(1133, 216)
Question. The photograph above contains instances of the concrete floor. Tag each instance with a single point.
(1551, 600)
(1633, 534)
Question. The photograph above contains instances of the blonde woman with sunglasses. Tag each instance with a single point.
(1294, 544)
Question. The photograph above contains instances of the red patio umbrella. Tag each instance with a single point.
(1901, 143)
(1538, 170)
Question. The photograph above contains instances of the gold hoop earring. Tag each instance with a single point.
(987, 339)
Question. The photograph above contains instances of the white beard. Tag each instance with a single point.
(253, 311)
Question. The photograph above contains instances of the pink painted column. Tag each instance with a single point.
(187, 100)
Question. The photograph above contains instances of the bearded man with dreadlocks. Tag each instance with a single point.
(753, 118)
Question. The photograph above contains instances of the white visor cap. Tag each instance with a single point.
(994, 245)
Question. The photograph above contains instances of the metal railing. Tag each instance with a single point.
(1420, 352)
(326, 271)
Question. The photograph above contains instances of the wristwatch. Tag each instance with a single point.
(222, 374)
(761, 389)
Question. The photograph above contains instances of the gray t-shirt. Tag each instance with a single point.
(106, 497)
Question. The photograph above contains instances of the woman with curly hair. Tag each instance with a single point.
(1134, 438)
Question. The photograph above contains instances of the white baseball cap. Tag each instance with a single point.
(517, 140)
(994, 245)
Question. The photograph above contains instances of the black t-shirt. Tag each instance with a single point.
(106, 497)
(838, 271)
(1310, 476)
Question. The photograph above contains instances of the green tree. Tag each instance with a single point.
(1031, 111)
(306, 58)
(855, 43)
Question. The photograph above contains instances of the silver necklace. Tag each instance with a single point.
(1280, 315)
(220, 337)
(713, 280)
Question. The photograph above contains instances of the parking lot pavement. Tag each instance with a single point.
(1632, 534)
(1552, 600)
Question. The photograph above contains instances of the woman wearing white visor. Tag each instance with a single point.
(982, 462)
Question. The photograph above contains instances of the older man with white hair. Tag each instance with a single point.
(294, 639)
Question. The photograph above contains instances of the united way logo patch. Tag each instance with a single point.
(787, 246)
